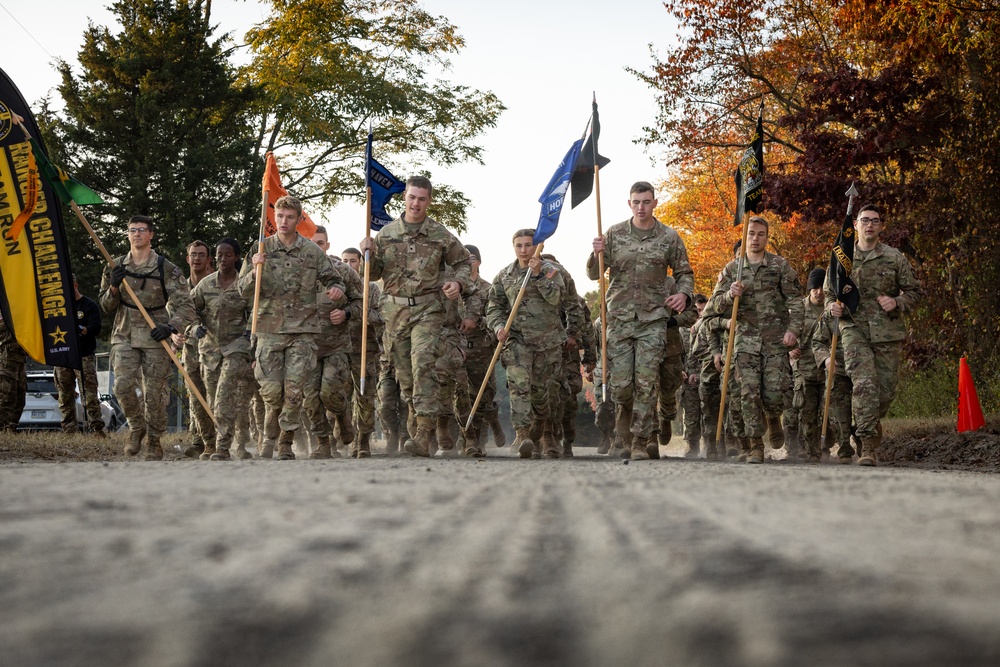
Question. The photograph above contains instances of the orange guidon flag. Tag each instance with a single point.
(273, 190)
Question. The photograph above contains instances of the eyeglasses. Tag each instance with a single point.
(138, 230)
(869, 222)
(198, 255)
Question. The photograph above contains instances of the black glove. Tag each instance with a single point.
(118, 275)
(200, 332)
(161, 332)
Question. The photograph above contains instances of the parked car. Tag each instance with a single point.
(41, 406)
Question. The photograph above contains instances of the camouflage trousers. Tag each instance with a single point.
(839, 430)
(635, 350)
(257, 414)
(329, 392)
(392, 409)
(141, 378)
(604, 415)
(807, 412)
(453, 375)
(874, 372)
(285, 369)
(363, 405)
(200, 425)
(67, 380)
(709, 396)
(533, 378)
(477, 361)
(670, 381)
(691, 403)
(229, 387)
(765, 389)
(564, 413)
(13, 390)
(415, 347)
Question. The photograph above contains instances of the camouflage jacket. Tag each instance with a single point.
(675, 345)
(538, 323)
(174, 307)
(225, 313)
(338, 338)
(289, 284)
(820, 340)
(771, 304)
(806, 364)
(588, 341)
(710, 339)
(413, 262)
(883, 271)
(638, 262)
(482, 336)
(574, 316)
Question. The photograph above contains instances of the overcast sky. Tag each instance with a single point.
(544, 59)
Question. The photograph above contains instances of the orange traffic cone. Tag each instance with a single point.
(970, 415)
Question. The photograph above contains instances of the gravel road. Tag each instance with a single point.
(498, 561)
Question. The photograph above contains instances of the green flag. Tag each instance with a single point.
(65, 186)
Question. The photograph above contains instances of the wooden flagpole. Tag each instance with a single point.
(260, 249)
(367, 286)
(732, 334)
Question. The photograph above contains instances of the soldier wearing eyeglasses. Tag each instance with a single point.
(873, 336)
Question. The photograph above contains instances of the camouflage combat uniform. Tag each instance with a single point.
(287, 324)
(481, 342)
(140, 364)
(671, 370)
(810, 381)
(392, 411)
(694, 424)
(532, 355)
(873, 338)
(638, 261)
(363, 405)
(411, 260)
(710, 341)
(771, 305)
(839, 428)
(13, 379)
(88, 315)
(328, 392)
(224, 356)
(201, 427)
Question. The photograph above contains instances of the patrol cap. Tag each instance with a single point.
(474, 251)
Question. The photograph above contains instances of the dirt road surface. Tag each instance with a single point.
(500, 561)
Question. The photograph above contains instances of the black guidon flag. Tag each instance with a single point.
(582, 181)
(36, 286)
(841, 263)
(750, 174)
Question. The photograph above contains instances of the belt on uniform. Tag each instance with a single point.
(413, 300)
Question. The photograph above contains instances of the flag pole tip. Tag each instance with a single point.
(852, 191)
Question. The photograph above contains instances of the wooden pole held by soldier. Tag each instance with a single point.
(506, 328)
(601, 286)
(364, 301)
(260, 249)
(732, 335)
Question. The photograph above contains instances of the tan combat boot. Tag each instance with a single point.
(868, 446)
(446, 444)
(756, 454)
(623, 430)
(266, 450)
(493, 420)
(744, 452)
(550, 449)
(775, 432)
(666, 432)
(472, 447)
(242, 453)
(154, 452)
(605, 445)
(194, 450)
(535, 431)
(134, 445)
(323, 449)
(363, 449)
(392, 444)
(285, 441)
(525, 445)
(641, 447)
(419, 444)
(344, 430)
(210, 449)
(221, 454)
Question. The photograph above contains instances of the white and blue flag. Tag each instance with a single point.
(554, 196)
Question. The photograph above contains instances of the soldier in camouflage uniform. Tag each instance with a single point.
(604, 415)
(140, 364)
(769, 322)
(293, 268)
(224, 347)
(13, 379)
(410, 255)
(690, 400)
(639, 253)
(392, 409)
(714, 336)
(364, 404)
(579, 339)
(88, 325)
(873, 336)
(532, 349)
(480, 344)
(200, 424)
(671, 373)
(839, 429)
(810, 380)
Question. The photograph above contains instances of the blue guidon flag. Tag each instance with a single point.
(383, 186)
(554, 196)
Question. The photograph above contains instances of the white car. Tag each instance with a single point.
(41, 406)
